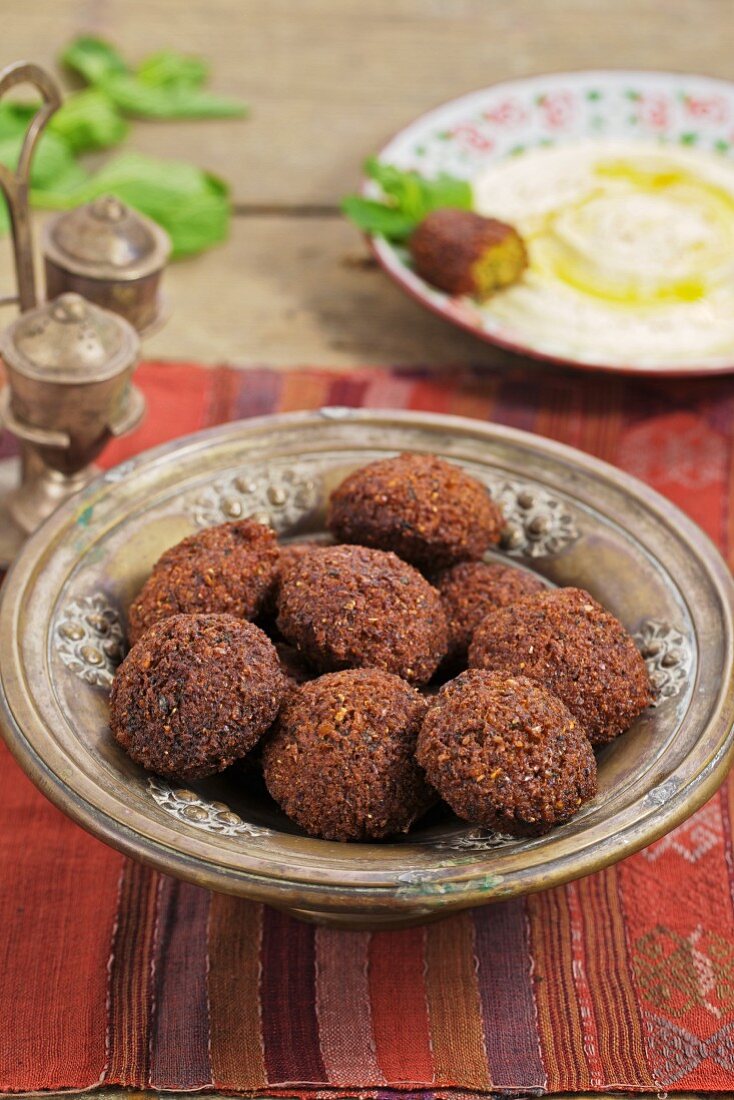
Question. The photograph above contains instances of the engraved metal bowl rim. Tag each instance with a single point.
(454, 886)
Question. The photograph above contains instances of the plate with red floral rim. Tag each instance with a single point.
(468, 135)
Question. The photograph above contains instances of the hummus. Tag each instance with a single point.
(631, 251)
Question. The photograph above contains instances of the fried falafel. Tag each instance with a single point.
(355, 607)
(229, 569)
(340, 761)
(567, 642)
(462, 252)
(428, 511)
(506, 754)
(195, 693)
(472, 589)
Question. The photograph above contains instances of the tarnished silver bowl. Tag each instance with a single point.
(571, 518)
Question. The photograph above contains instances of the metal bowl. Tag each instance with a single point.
(571, 519)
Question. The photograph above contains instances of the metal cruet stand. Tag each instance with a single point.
(69, 362)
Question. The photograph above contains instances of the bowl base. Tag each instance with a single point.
(363, 922)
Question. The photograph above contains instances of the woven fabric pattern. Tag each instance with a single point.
(111, 973)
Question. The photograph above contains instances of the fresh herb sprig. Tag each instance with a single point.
(407, 198)
(192, 205)
(165, 85)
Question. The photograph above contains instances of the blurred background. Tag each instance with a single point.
(326, 83)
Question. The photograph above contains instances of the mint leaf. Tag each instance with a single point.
(377, 218)
(417, 195)
(14, 118)
(53, 164)
(192, 206)
(169, 67)
(405, 189)
(93, 59)
(88, 120)
(167, 84)
(134, 97)
(408, 198)
(448, 191)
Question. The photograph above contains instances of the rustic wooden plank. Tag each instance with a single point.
(295, 291)
(291, 291)
(330, 80)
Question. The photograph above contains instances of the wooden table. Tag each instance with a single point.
(328, 81)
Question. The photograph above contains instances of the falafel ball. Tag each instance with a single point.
(195, 693)
(429, 512)
(472, 589)
(228, 569)
(288, 557)
(566, 641)
(462, 252)
(353, 607)
(292, 553)
(506, 754)
(340, 761)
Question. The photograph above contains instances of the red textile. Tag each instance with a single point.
(113, 974)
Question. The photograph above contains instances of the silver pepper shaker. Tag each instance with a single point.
(69, 391)
(110, 254)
